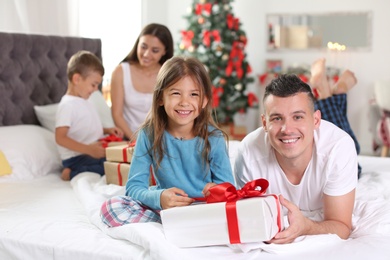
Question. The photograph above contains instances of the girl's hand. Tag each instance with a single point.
(207, 187)
(174, 197)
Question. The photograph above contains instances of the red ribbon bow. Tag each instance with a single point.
(235, 60)
(187, 37)
(108, 139)
(232, 22)
(203, 7)
(207, 35)
(227, 192)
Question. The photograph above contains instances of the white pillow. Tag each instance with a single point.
(47, 116)
(30, 150)
(102, 108)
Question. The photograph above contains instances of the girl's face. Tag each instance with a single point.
(84, 87)
(150, 50)
(182, 103)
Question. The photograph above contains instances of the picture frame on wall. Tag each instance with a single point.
(274, 66)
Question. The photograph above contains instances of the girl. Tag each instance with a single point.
(180, 140)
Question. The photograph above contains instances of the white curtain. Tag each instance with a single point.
(117, 23)
(54, 17)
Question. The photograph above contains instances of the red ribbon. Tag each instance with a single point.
(120, 181)
(235, 60)
(124, 150)
(203, 7)
(108, 139)
(208, 34)
(187, 38)
(232, 22)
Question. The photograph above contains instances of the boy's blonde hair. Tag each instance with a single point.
(83, 62)
(155, 124)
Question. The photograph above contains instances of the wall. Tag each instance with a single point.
(368, 66)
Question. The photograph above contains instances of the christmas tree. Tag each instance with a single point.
(214, 36)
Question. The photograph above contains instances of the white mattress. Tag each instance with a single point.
(47, 218)
(43, 219)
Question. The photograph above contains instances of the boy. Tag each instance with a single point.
(78, 126)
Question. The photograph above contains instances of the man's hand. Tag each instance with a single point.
(298, 224)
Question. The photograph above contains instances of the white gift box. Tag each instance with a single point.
(259, 219)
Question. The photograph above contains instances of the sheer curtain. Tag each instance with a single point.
(117, 23)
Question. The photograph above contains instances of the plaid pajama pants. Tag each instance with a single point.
(121, 210)
(334, 110)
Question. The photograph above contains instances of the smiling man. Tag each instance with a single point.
(310, 162)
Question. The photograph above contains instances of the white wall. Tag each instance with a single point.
(368, 66)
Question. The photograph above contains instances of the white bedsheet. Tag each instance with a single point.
(369, 239)
(43, 219)
(47, 218)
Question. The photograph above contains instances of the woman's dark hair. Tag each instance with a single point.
(162, 33)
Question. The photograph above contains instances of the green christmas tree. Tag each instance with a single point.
(214, 36)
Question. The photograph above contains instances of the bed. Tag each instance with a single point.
(43, 217)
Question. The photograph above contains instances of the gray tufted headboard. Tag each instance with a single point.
(33, 72)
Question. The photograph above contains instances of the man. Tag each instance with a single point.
(309, 161)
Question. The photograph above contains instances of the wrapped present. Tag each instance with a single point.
(120, 153)
(116, 173)
(117, 143)
(234, 132)
(244, 216)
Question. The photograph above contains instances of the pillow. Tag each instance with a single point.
(5, 168)
(47, 116)
(102, 108)
(30, 150)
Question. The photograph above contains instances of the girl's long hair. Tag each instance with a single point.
(156, 122)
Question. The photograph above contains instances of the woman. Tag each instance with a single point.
(134, 79)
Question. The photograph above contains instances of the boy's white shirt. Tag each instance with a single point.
(82, 119)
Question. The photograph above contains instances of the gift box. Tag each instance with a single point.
(110, 144)
(116, 173)
(246, 220)
(234, 132)
(119, 153)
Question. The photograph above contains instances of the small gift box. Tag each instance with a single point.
(244, 216)
(116, 173)
(120, 153)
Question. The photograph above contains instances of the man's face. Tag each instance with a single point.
(290, 123)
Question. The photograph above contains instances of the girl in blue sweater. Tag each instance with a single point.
(182, 143)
